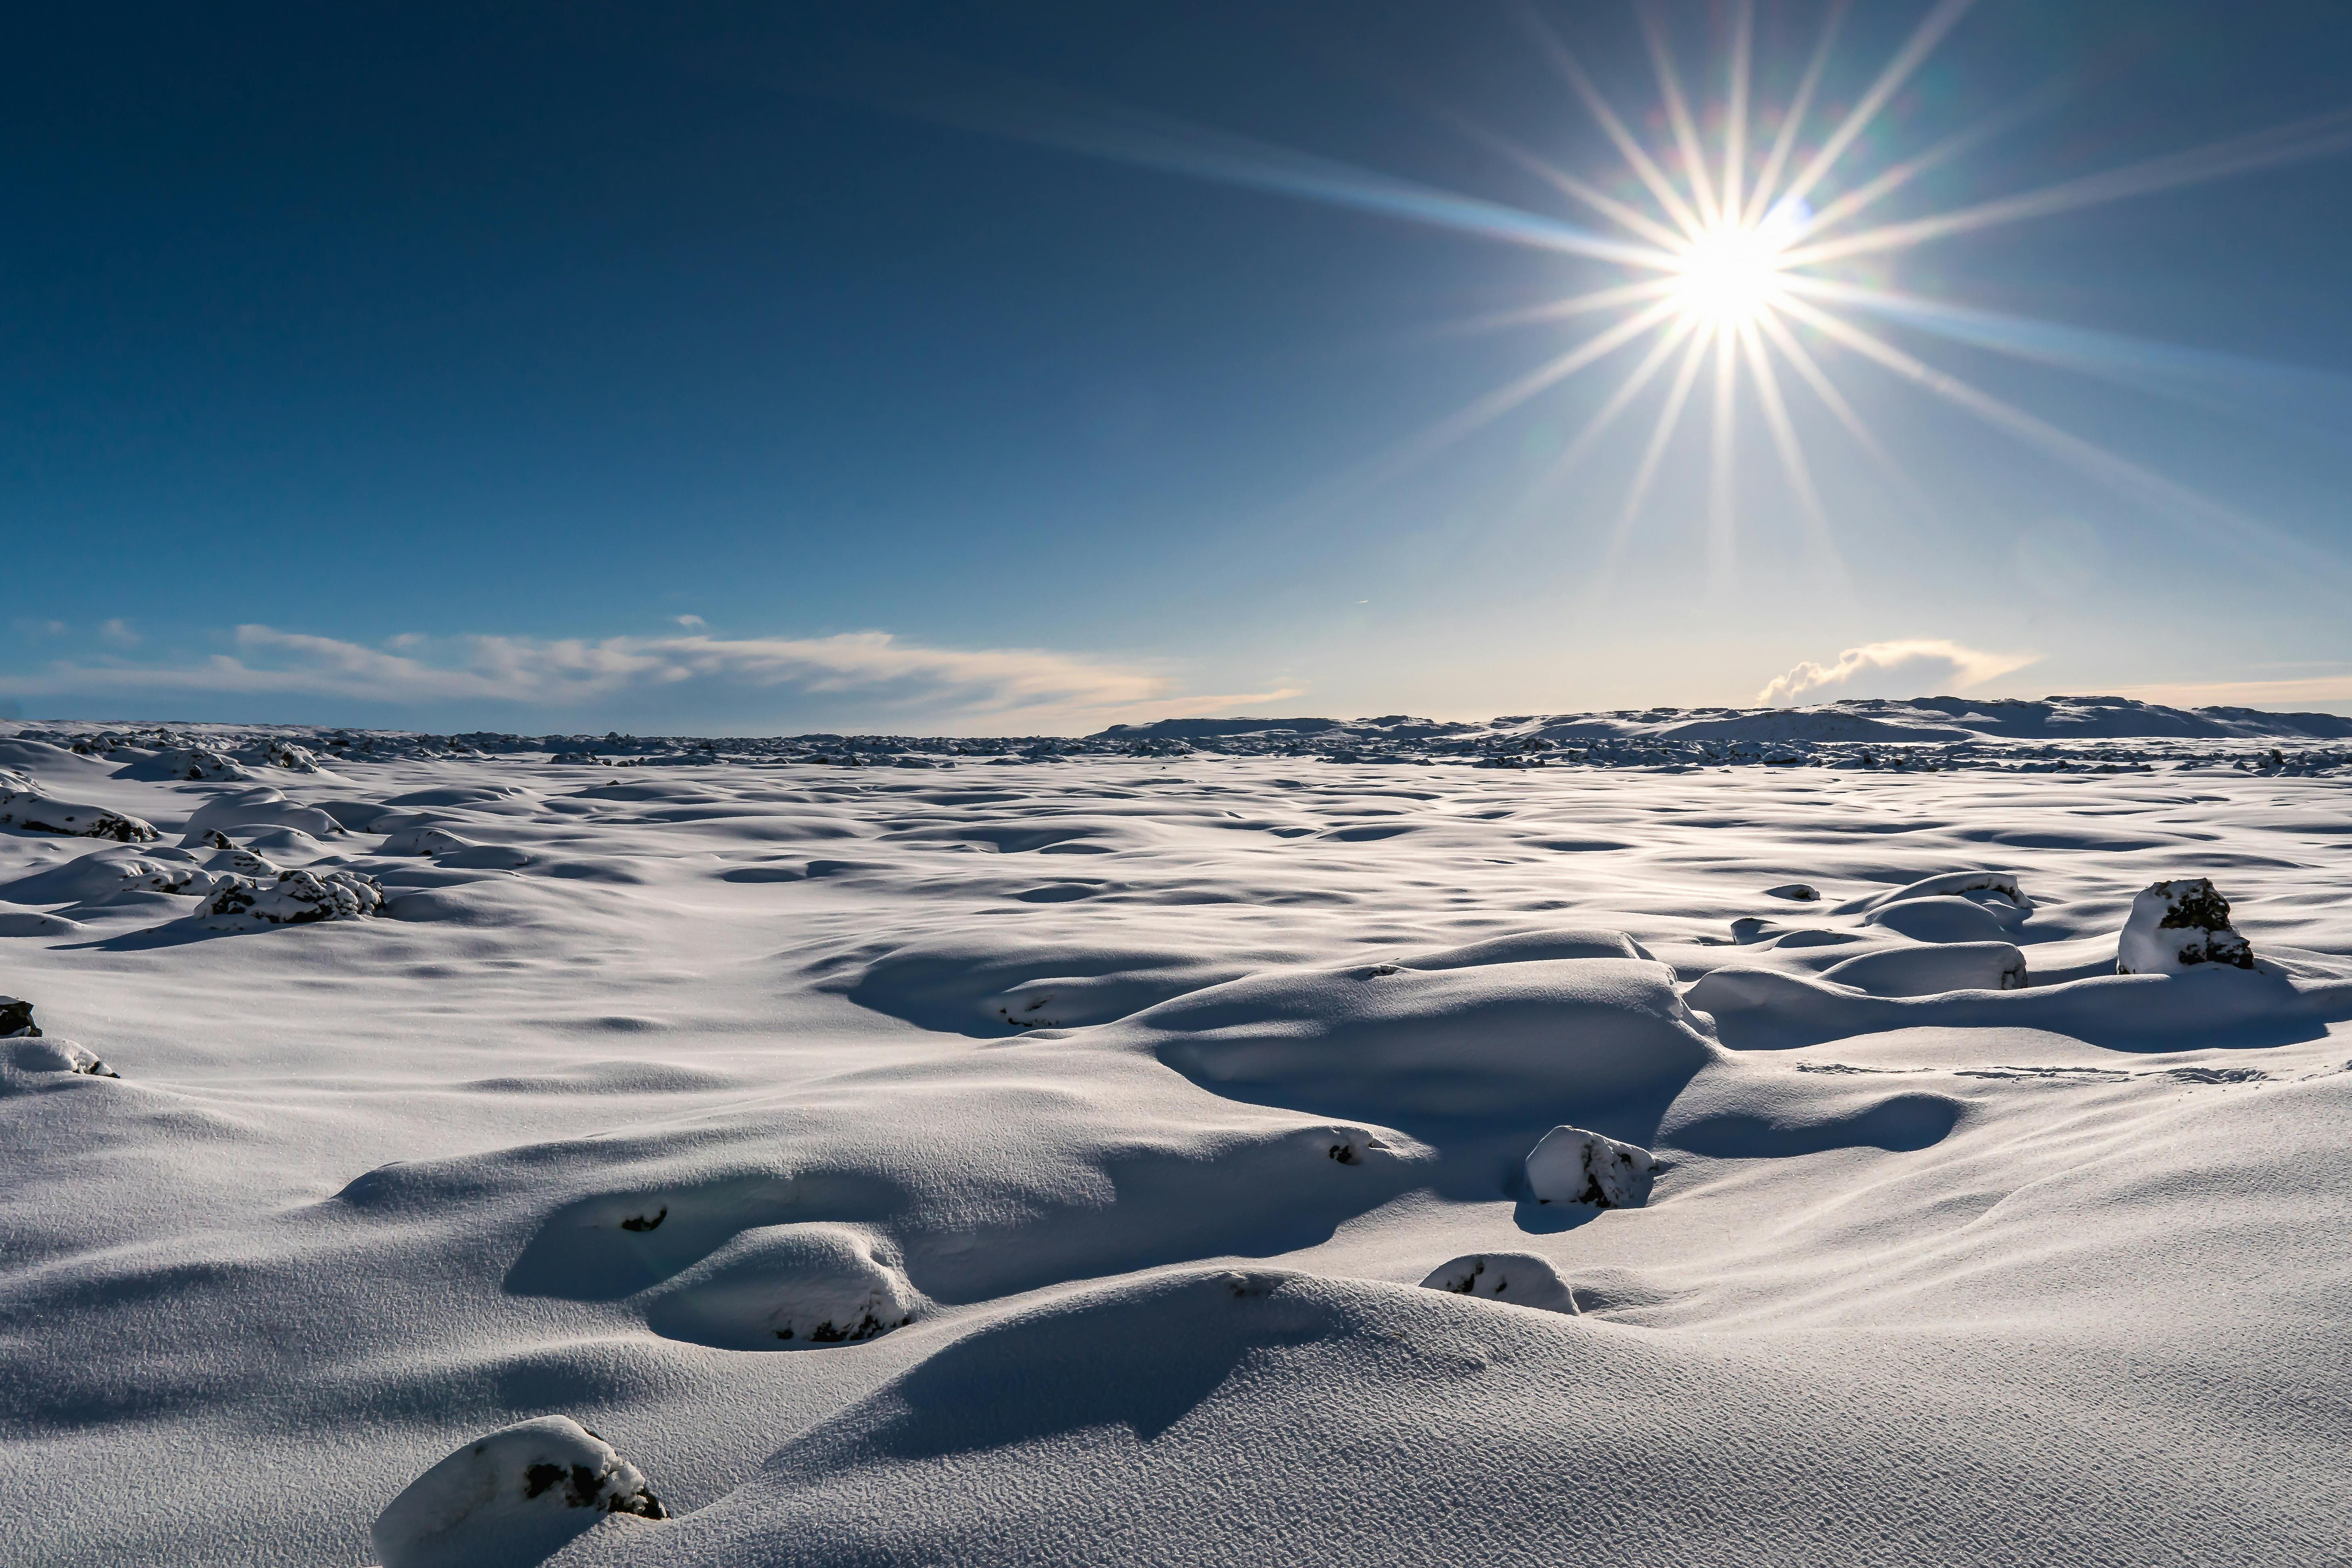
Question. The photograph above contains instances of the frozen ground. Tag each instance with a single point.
(1041, 1162)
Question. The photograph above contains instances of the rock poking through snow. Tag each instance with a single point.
(1521, 1278)
(1795, 892)
(2180, 925)
(511, 1498)
(1569, 1165)
(16, 1019)
(295, 898)
(23, 805)
(193, 764)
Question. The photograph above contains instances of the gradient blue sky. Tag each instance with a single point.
(756, 369)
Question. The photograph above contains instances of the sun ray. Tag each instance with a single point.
(1869, 194)
(1791, 450)
(1609, 207)
(2315, 138)
(1652, 454)
(1924, 37)
(1735, 116)
(1619, 401)
(1678, 116)
(2087, 456)
(1643, 166)
(1814, 376)
(1792, 120)
(1723, 455)
(1559, 309)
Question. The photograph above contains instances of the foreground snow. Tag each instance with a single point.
(1182, 1160)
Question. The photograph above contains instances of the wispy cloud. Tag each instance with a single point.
(876, 670)
(1916, 667)
(118, 632)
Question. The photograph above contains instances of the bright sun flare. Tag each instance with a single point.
(1727, 278)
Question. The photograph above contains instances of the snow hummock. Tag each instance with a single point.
(509, 1498)
(298, 897)
(24, 805)
(2178, 926)
(1521, 1278)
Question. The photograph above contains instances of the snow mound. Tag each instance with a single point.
(2179, 925)
(296, 897)
(1931, 969)
(24, 805)
(258, 809)
(424, 840)
(1516, 1041)
(1519, 1279)
(1997, 892)
(511, 1498)
(788, 1287)
(29, 1055)
(1569, 1165)
(1795, 892)
(192, 764)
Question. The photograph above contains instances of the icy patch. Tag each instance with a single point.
(1570, 1165)
(511, 1498)
(296, 897)
(24, 805)
(1519, 1279)
(786, 1287)
(2177, 926)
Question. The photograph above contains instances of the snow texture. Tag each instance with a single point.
(1092, 1111)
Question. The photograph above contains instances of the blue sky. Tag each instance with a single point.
(928, 367)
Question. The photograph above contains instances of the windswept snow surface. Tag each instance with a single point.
(1078, 1155)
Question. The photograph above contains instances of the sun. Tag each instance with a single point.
(1728, 276)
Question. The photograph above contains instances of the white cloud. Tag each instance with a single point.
(1917, 666)
(1028, 686)
(118, 632)
(691, 622)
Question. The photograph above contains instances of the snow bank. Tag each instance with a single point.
(2177, 926)
(1569, 1165)
(511, 1498)
(1538, 1039)
(24, 805)
(1519, 1279)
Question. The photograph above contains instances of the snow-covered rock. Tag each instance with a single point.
(16, 1019)
(28, 1054)
(24, 805)
(244, 812)
(1795, 892)
(1569, 1165)
(512, 1498)
(193, 764)
(295, 898)
(788, 1287)
(1521, 1278)
(2180, 925)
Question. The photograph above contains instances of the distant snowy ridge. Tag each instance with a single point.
(1928, 733)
